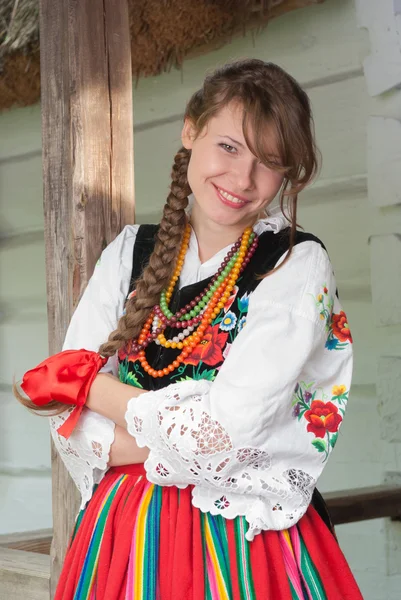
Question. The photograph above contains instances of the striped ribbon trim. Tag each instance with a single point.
(87, 579)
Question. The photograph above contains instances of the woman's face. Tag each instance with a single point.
(231, 186)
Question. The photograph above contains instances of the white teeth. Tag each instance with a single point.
(230, 197)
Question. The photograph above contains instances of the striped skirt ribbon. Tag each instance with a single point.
(136, 540)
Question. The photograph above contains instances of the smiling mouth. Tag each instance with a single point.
(231, 197)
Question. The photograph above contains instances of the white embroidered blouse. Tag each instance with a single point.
(255, 440)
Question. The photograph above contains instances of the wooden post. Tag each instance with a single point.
(87, 171)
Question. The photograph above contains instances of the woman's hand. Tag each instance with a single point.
(109, 397)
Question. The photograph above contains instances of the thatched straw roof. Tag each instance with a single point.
(161, 38)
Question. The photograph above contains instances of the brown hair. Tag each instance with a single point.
(273, 103)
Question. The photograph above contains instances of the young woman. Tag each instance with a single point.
(228, 370)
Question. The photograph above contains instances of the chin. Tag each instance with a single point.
(230, 221)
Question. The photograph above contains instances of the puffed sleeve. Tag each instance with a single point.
(86, 452)
(255, 441)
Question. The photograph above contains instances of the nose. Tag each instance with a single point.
(245, 175)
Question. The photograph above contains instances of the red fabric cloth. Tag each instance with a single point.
(65, 377)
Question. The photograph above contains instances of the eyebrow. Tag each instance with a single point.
(232, 140)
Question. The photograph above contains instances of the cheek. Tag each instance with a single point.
(272, 184)
(207, 162)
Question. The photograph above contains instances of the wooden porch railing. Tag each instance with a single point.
(24, 557)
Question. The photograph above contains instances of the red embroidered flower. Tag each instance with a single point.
(340, 327)
(210, 349)
(125, 352)
(322, 417)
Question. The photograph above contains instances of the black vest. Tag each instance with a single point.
(208, 356)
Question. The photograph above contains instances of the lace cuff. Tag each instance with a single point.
(188, 446)
(86, 452)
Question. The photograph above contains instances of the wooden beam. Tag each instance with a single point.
(29, 541)
(350, 506)
(24, 575)
(87, 171)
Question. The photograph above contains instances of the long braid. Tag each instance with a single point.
(162, 260)
(154, 278)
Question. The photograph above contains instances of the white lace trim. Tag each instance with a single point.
(189, 447)
(86, 453)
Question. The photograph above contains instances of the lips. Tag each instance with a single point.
(230, 199)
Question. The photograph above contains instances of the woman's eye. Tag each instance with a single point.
(228, 148)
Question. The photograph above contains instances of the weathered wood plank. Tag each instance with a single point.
(88, 170)
(28, 541)
(350, 506)
(24, 575)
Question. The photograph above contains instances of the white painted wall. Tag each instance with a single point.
(323, 48)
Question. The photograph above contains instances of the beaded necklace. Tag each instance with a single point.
(197, 315)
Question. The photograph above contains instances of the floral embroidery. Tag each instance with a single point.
(325, 304)
(210, 349)
(241, 323)
(296, 410)
(340, 393)
(339, 334)
(138, 423)
(243, 303)
(323, 416)
(125, 352)
(97, 449)
(128, 369)
(196, 373)
(222, 503)
(207, 357)
(229, 321)
(161, 470)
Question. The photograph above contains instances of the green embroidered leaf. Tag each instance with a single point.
(208, 375)
(319, 444)
(185, 379)
(126, 376)
(333, 439)
(123, 370)
(132, 379)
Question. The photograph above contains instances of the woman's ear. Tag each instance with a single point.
(188, 134)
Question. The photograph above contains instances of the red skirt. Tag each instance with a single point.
(137, 540)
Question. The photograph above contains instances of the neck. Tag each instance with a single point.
(212, 237)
